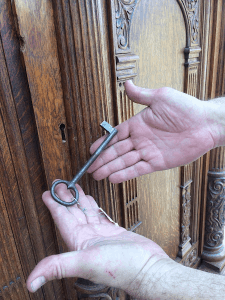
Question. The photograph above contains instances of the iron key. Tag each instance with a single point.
(71, 184)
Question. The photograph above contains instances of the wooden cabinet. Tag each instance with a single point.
(63, 68)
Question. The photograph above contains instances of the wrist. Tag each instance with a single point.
(148, 282)
(215, 120)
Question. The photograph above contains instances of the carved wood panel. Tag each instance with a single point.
(122, 12)
(63, 68)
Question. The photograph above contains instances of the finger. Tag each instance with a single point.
(123, 162)
(71, 264)
(92, 264)
(61, 215)
(89, 208)
(111, 153)
(140, 95)
(139, 169)
(102, 218)
(64, 193)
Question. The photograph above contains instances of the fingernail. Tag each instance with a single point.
(37, 283)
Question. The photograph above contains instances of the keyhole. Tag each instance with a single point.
(62, 128)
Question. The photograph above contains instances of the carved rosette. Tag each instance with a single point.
(191, 258)
(214, 229)
(124, 11)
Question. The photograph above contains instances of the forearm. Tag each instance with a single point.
(215, 116)
(168, 280)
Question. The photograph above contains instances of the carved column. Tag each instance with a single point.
(214, 251)
(188, 248)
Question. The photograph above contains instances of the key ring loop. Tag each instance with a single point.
(69, 186)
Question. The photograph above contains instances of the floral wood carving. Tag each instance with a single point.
(215, 212)
(191, 258)
(124, 11)
(193, 12)
(186, 212)
(190, 10)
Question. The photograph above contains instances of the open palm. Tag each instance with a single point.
(171, 131)
(100, 251)
(80, 225)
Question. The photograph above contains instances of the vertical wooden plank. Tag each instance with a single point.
(12, 279)
(12, 44)
(15, 173)
(36, 26)
(216, 17)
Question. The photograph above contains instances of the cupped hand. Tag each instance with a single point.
(171, 131)
(100, 251)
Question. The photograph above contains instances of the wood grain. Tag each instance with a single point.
(154, 38)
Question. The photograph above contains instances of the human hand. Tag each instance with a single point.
(101, 251)
(171, 131)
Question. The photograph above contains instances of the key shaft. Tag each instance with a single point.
(94, 156)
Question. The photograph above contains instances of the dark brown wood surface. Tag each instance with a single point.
(63, 65)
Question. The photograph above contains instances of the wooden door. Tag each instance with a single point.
(63, 68)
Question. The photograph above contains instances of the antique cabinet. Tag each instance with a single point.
(63, 64)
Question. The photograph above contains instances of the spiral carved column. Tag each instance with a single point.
(214, 251)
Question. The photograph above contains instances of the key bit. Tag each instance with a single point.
(107, 126)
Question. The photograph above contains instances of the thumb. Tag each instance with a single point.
(100, 264)
(56, 267)
(112, 265)
(140, 95)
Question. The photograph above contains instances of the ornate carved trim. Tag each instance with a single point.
(213, 250)
(191, 258)
(190, 10)
(186, 212)
(125, 64)
(193, 17)
(215, 218)
(185, 245)
(87, 289)
(124, 10)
